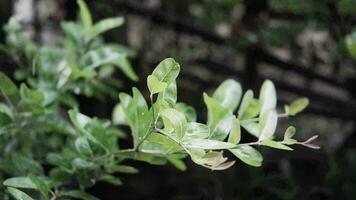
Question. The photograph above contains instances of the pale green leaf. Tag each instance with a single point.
(298, 106)
(7, 86)
(208, 144)
(188, 111)
(196, 131)
(174, 120)
(78, 194)
(154, 85)
(235, 133)
(83, 147)
(248, 155)
(118, 115)
(18, 194)
(268, 97)
(219, 118)
(105, 25)
(276, 145)
(289, 133)
(20, 182)
(167, 70)
(228, 94)
(169, 94)
(85, 16)
(268, 125)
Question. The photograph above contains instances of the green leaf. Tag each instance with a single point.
(174, 120)
(154, 85)
(85, 16)
(208, 144)
(246, 100)
(268, 97)
(110, 179)
(268, 125)
(276, 145)
(196, 131)
(32, 95)
(7, 86)
(248, 155)
(18, 194)
(219, 118)
(228, 94)
(122, 169)
(249, 107)
(167, 70)
(188, 111)
(25, 165)
(78, 194)
(289, 133)
(108, 55)
(41, 185)
(105, 25)
(169, 94)
(83, 147)
(82, 164)
(137, 115)
(154, 159)
(159, 144)
(178, 163)
(235, 133)
(298, 106)
(20, 182)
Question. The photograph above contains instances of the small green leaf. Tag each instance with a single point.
(79, 120)
(248, 155)
(235, 133)
(82, 164)
(178, 163)
(228, 94)
(246, 100)
(78, 194)
(154, 85)
(174, 120)
(106, 24)
(289, 133)
(298, 106)
(123, 169)
(208, 144)
(196, 131)
(18, 194)
(110, 179)
(7, 86)
(167, 70)
(276, 145)
(85, 16)
(118, 115)
(20, 182)
(251, 127)
(268, 125)
(268, 97)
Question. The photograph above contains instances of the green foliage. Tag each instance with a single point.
(40, 122)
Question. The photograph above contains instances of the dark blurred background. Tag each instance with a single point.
(299, 44)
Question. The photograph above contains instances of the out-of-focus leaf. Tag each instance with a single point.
(154, 159)
(178, 163)
(78, 194)
(85, 16)
(298, 106)
(123, 169)
(41, 185)
(118, 115)
(111, 179)
(228, 94)
(248, 155)
(7, 86)
(196, 131)
(83, 147)
(167, 70)
(105, 25)
(188, 111)
(18, 194)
